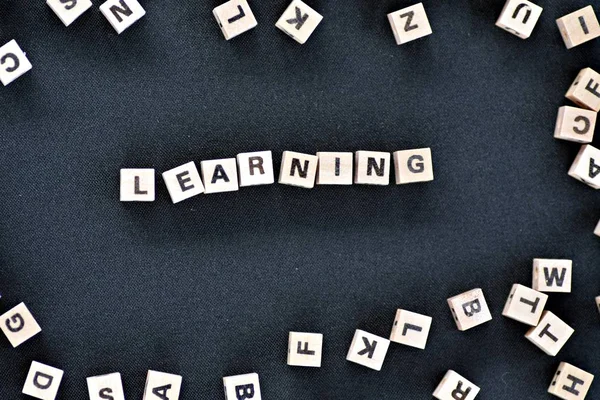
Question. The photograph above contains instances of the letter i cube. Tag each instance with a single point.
(469, 309)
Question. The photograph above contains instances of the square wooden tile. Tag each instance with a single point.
(19, 325)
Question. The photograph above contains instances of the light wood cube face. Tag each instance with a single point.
(409, 23)
(411, 329)
(299, 21)
(242, 387)
(368, 350)
(372, 168)
(551, 334)
(13, 62)
(160, 386)
(298, 169)
(586, 167)
(104, 387)
(183, 182)
(579, 27)
(469, 309)
(219, 175)
(19, 325)
(413, 166)
(42, 381)
(234, 18)
(519, 17)
(575, 124)
(69, 10)
(552, 276)
(585, 90)
(570, 382)
(122, 13)
(453, 387)
(255, 168)
(305, 349)
(137, 184)
(334, 168)
(598, 303)
(525, 305)
(597, 230)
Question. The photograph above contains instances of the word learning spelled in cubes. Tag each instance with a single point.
(586, 167)
(105, 387)
(525, 305)
(579, 27)
(160, 386)
(455, 387)
(551, 334)
(19, 325)
(409, 23)
(69, 10)
(122, 13)
(242, 387)
(368, 350)
(234, 18)
(575, 124)
(552, 275)
(42, 381)
(410, 329)
(519, 17)
(299, 21)
(469, 309)
(585, 90)
(305, 349)
(570, 382)
(13, 62)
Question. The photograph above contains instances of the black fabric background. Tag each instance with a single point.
(211, 286)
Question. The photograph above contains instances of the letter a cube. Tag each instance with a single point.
(469, 309)
(368, 350)
(586, 167)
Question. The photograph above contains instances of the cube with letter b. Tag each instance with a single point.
(255, 168)
(469, 309)
(570, 382)
(413, 166)
(305, 349)
(42, 381)
(122, 13)
(586, 166)
(244, 387)
(19, 325)
(552, 275)
(368, 350)
(104, 387)
(160, 386)
(410, 23)
(519, 17)
(234, 18)
(455, 387)
(411, 329)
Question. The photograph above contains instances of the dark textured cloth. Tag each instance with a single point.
(211, 286)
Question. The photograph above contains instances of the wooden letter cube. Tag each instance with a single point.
(552, 275)
(219, 175)
(122, 13)
(598, 303)
(234, 17)
(105, 387)
(575, 124)
(455, 387)
(69, 10)
(368, 350)
(242, 387)
(469, 309)
(413, 166)
(409, 23)
(160, 386)
(519, 17)
(525, 305)
(410, 329)
(137, 184)
(42, 381)
(586, 167)
(597, 229)
(298, 169)
(551, 334)
(372, 168)
(585, 90)
(183, 182)
(299, 21)
(579, 27)
(334, 168)
(255, 168)
(570, 382)
(305, 349)
(19, 325)
(13, 62)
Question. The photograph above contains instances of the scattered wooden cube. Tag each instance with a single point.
(234, 17)
(410, 329)
(122, 13)
(455, 387)
(183, 182)
(305, 349)
(219, 175)
(42, 381)
(579, 27)
(19, 325)
(413, 166)
(585, 90)
(519, 17)
(299, 21)
(334, 168)
(13, 62)
(242, 387)
(160, 386)
(469, 309)
(69, 10)
(550, 335)
(137, 184)
(598, 303)
(368, 350)
(409, 23)
(372, 168)
(104, 387)
(570, 382)
(597, 229)
(586, 167)
(525, 305)
(298, 169)
(255, 168)
(552, 275)
(575, 124)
